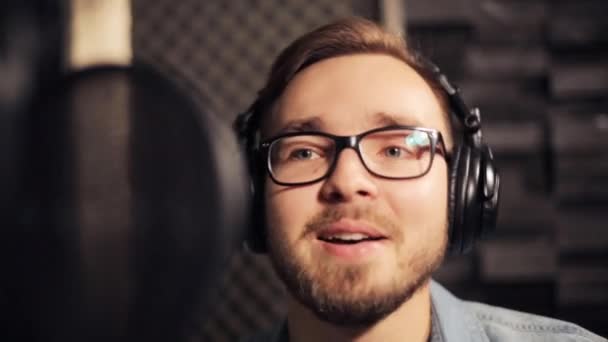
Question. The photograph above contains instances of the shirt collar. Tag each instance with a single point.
(452, 322)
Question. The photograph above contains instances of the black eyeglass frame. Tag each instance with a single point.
(353, 141)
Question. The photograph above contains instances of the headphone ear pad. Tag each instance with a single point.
(491, 192)
(472, 208)
(256, 234)
(454, 200)
(473, 199)
(464, 202)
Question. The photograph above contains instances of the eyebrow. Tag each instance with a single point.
(314, 124)
(302, 125)
(387, 119)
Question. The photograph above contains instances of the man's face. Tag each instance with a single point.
(353, 284)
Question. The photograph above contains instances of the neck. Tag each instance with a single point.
(410, 322)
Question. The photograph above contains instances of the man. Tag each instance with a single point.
(351, 148)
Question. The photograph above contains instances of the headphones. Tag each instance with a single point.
(474, 181)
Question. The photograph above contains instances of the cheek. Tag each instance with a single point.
(421, 202)
(288, 209)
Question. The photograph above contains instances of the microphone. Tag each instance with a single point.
(129, 196)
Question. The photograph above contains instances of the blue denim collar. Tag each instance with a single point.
(452, 321)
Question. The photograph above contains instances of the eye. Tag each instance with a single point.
(303, 154)
(395, 152)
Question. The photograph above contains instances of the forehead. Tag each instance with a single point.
(350, 94)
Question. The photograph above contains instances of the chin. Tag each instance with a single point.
(353, 294)
(354, 290)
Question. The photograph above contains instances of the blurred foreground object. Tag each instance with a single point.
(121, 197)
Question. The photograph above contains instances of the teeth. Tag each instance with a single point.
(349, 236)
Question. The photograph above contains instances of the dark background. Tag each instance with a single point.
(538, 69)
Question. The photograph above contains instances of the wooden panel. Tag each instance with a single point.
(578, 132)
(438, 11)
(444, 44)
(366, 8)
(518, 259)
(506, 62)
(506, 99)
(580, 284)
(535, 297)
(521, 210)
(455, 270)
(579, 23)
(514, 137)
(584, 78)
(581, 179)
(508, 21)
(582, 230)
(581, 157)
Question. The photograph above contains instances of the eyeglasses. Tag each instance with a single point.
(392, 152)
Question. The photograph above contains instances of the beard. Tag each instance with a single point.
(349, 294)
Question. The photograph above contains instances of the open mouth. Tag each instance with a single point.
(352, 244)
(349, 239)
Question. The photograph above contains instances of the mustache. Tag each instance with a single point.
(370, 215)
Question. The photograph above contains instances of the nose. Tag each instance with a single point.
(349, 180)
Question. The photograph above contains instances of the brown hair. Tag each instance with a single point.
(348, 36)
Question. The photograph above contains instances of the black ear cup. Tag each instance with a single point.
(256, 234)
(473, 197)
(491, 187)
(255, 238)
(470, 183)
(454, 202)
(462, 198)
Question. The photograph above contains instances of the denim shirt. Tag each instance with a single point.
(455, 320)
